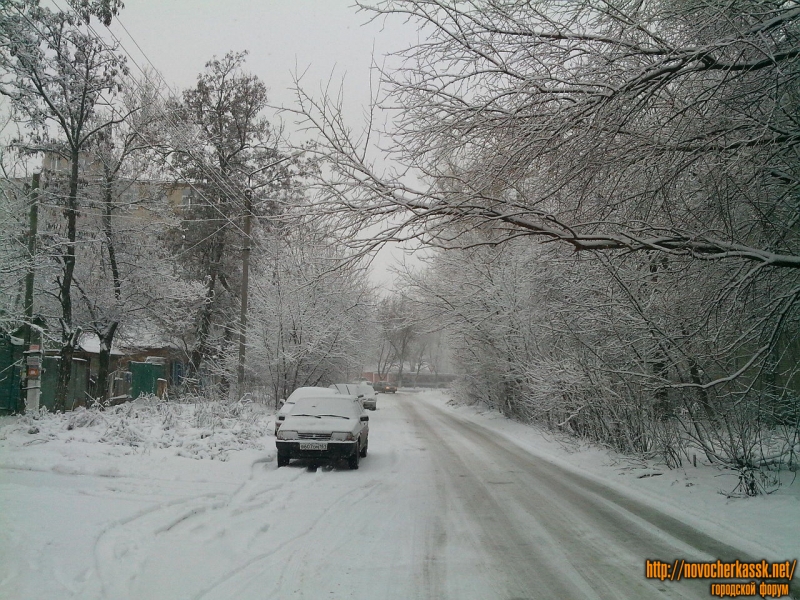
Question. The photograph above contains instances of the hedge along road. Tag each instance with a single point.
(440, 509)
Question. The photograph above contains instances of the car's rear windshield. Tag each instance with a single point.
(309, 392)
(332, 405)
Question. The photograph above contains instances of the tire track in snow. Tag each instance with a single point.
(502, 555)
(230, 577)
(123, 547)
(374, 537)
(112, 543)
(602, 535)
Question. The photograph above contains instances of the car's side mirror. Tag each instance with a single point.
(281, 402)
(365, 417)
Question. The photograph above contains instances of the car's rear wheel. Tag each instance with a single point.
(352, 460)
(283, 461)
(363, 452)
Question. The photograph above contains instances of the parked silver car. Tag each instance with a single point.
(288, 404)
(326, 429)
(363, 391)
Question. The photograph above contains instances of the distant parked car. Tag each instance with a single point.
(384, 387)
(288, 404)
(370, 401)
(364, 392)
(324, 429)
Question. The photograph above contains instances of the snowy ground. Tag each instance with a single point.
(162, 501)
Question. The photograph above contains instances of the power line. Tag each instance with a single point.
(209, 171)
(225, 183)
(213, 176)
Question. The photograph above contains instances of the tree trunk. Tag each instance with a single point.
(69, 339)
(200, 351)
(400, 374)
(108, 197)
(104, 367)
(225, 386)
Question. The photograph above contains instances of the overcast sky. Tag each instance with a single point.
(180, 36)
(323, 38)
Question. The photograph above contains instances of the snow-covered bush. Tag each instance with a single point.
(635, 354)
(195, 427)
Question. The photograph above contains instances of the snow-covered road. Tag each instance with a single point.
(441, 508)
(533, 530)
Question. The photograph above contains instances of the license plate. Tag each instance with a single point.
(313, 446)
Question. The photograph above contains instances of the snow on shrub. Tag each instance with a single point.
(196, 427)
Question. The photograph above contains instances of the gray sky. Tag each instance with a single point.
(325, 39)
(180, 36)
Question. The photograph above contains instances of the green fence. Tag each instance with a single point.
(145, 376)
(78, 383)
(145, 379)
(11, 365)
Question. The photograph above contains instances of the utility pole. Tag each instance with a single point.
(32, 232)
(33, 352)
(248, 211)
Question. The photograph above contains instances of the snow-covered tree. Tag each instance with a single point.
(311, 314)
(126, 214)
(640, 127)
(57, 75)
(657, 142)
(399, 327)
(15, 261)
(222, 144)
(638, 353)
